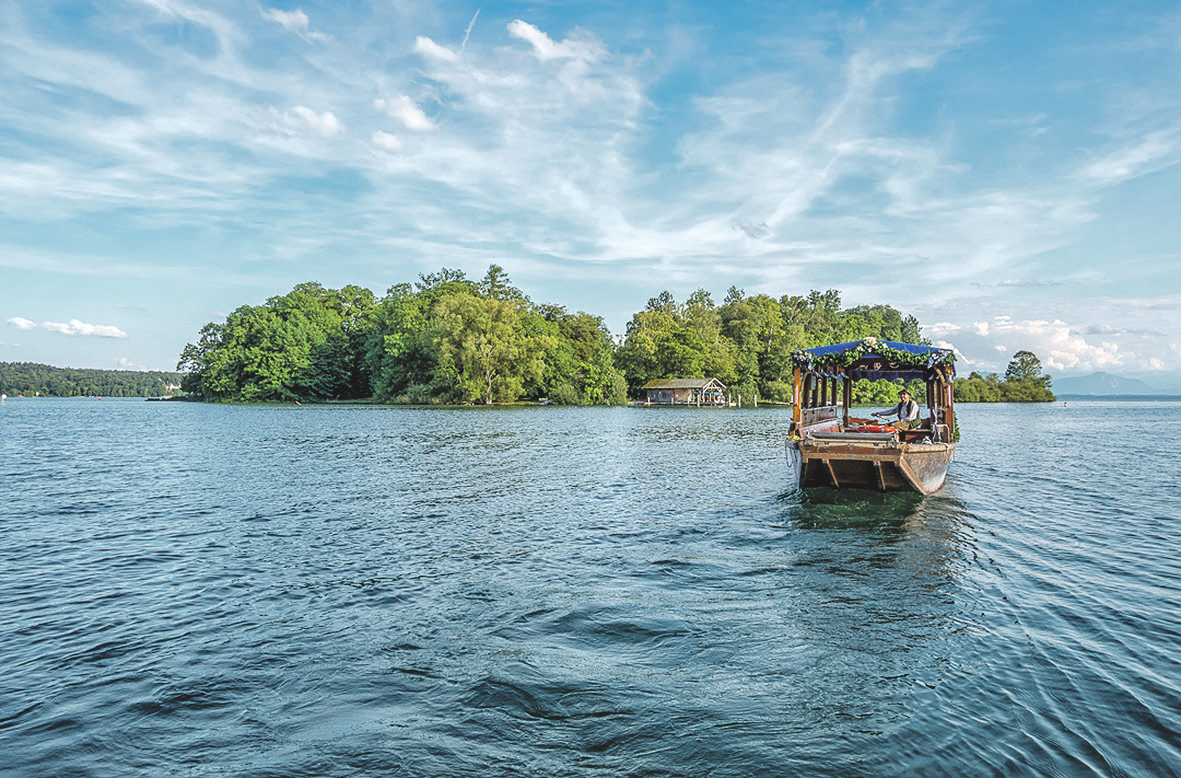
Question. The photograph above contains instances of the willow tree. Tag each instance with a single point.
(482, 350)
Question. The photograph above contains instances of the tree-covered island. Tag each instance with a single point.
(447, 339)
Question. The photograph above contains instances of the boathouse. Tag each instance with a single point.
(685, 391)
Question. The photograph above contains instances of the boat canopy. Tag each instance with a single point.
(875, 359)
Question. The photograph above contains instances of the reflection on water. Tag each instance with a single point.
(381, 591)
(819, 507)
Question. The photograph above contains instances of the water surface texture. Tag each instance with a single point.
(203, 590)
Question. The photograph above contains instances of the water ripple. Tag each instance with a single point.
(254, 591)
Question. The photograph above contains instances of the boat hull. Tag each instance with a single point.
(881, 466)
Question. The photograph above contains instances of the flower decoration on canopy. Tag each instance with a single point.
(833, 357)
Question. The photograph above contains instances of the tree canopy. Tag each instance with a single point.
(747, 341)
(1024, 381)
(32, 380)
(446, 339)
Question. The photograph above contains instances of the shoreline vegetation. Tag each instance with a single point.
(32, 379)
(450, 340)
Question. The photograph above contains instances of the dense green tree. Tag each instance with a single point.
(1025, 366)
(977, 388)
(818, 315)
(31, 379)
(1024, 382)
(747, 342)
(496, 286)
(660, 344)
(397, 355)
(880, 392)
(580, 367)
(487, 354)
(1025, 392)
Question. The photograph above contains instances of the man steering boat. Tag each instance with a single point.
(907, 411)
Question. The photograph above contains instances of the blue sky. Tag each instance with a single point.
(1006, 171)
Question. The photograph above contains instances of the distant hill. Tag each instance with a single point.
(1101, 384)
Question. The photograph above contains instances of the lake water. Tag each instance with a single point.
(201, 590)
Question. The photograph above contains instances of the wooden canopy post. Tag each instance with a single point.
(796, 398)
(848, 399)
(950, 404)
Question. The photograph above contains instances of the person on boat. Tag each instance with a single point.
(907, 411)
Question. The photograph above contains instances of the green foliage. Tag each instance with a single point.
(1025, 367)
(875, 392)
(488, 353)
(448, 339)
(444, 340)
(883, 392)
(308, 344)
(1025, 392)
(978, 389)
(1024, 383)
(870, 345)
(747, 343)
(581, 368)
(35, 380)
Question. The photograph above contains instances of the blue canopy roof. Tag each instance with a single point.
(875, 359)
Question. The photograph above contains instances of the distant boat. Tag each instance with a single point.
(828, 446)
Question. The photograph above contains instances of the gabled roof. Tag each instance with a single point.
(874, 359)
(684, 383)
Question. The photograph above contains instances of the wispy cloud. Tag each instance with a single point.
(294, 21)
(74, 328)
(302, 120)
(385, 141)
(583, 48)
(405, 111)
(467, 34)
(1137, 157)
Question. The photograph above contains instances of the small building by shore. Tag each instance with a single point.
(685, 391)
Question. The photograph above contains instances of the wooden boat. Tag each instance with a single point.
(828, 446)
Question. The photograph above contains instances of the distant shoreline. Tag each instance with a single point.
(1121, 397)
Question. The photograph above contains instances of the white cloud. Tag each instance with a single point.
(583, 49)
(1057, 344)
(225, 31)
(428, 48)
(1146, 155)
(76, 327)
(386, 142)
(302, 120)
(404, 110)
(294, 21)
(1072, 336)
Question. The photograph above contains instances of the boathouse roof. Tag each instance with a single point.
(684, 383)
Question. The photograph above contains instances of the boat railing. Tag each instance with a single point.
(854, 437)
(819, 415)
